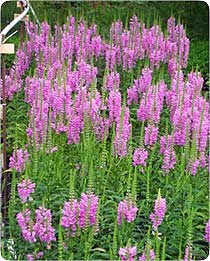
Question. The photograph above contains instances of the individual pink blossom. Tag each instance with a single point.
(127, 253)
(159, 212)
(127, 211)
(25, 189)
(207, 231)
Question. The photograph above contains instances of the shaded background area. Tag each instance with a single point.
(194, 14)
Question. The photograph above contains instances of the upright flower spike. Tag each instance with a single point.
(43, 226)
(151, 253)
(18, 160)
(123, 129)
(25, 189)
(126, 210)
(159, 211)
(88, 210)
(166, 148)
(188, 254)
(26, 225)
(207, 231)
(139, 157)
(151, 135)
(127, 253)
(69, 216)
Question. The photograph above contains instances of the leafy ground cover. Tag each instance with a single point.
(108, 139)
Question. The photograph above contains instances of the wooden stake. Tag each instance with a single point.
(4, 134)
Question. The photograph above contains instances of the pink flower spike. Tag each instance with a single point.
(159, 211)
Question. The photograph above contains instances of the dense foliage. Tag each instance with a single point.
(108, 138)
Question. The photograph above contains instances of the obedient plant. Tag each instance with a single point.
(25, 189)
(151, 255)
(188, 254)
(127, 253)
(127, 211)
(88, 210)
(18, 160)
(207, 231)
(159, 211)
(70, 216)
(124, 116)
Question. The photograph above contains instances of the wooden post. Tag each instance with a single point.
(4, 134)
(22, 24)
(3, 73)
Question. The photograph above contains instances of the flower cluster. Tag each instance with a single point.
(166, 148)
(159, 212)
(88, 210)
(126, 210)
(34, 256)
(41, 228)
(25, 188)
(69, 215)
(18, 160)
(127, 253)
(26, 225)
(188, 254)
(143, 257)
(207, 231)
(64, 98)
(139, 157)
(82, 214)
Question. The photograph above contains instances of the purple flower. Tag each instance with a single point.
(126, 210)
(151, 135)
(188, 254)
(127, 253)
(30, 257)
(88, 210)
(166, 148)
(43, 226)
(151, 255)
(139, 157)
(18, 160)
(26, 225)
(113, 81)
(159, 212)
(25, 188)
(207, 231)
(193, 166)
(122, 136)
(34, 256)
(69, 215)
